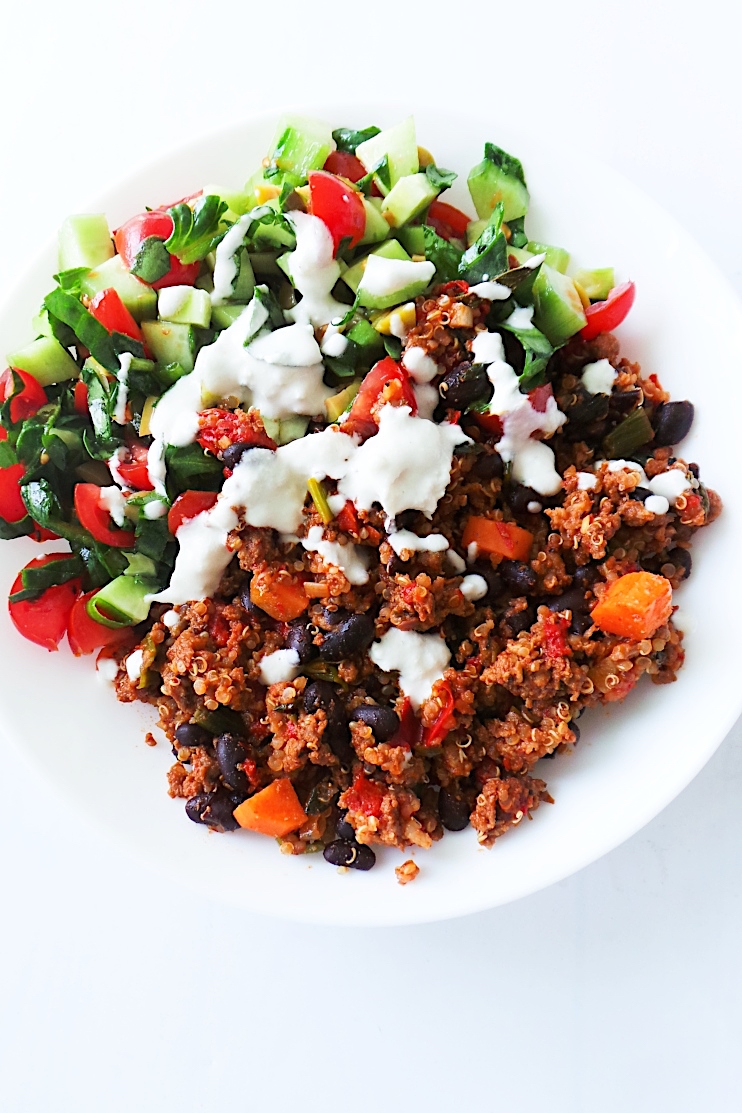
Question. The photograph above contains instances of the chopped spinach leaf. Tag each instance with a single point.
(488, 257)
(509, 165)
(196, 231)
(88, 331)
(347, 139)
(393, 347)
(439, 178)
(152, 261)
(190, 468)
(444, 256)
(70, 280)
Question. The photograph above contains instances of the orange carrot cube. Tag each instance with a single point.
(634, 606)
(274, 810)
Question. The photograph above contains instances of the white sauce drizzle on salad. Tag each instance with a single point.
(493, 291)
(225, 265)
(599, 377)
(421, 366)
(171, 299)
(403, 540)
(352, 560)
(122, 396)
(420, 660)
(314, 272)
(383, 278)
(115, 503)
(474, 587)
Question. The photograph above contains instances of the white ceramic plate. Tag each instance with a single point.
(633, 759)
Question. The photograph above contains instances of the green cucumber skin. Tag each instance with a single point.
(488, 185)
(139, 298)
(408, 198)
(170, 343)
(399, 144)
(84, 241)
(556, 257)
(558, 310)
(597, 283)
(46, 360)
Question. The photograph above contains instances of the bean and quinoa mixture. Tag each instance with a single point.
(388, 534)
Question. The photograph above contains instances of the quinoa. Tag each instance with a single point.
(526, 658)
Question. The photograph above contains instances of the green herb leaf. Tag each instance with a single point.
(196, 231)
(347, 139)
(88, 331)
(439, 178)
(518, 237)
(190, 468)
(70, 280)
(393, 347)
(487, 257)
(510, 166)
(444, 255)
(152, 261)
(380, 170)
(10, 530)
(8, 455)
(539, 351)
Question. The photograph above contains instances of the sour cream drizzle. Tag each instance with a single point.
(122, 396)
(420, 660)
(225, 265)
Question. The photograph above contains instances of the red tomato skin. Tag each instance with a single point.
(448, 222)
(490, 424)
(12, 507)
(134, 470)
(108, 308)
(188, 506)
(85, 635)
(130, 237)
(81, 398)
(26, 402)
(345, 165)
(95, 518)
(605, 316)
(44, 620)
(338, 206)
(361, 418)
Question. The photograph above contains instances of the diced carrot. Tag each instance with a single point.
(274, 810)
(281, 595)
(634, 606)
(504, 538)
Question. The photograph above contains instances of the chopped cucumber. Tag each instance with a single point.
(184, 305)
(170, 343)
(239, 201)
(556, 257)
(377, 229)
(597, 284)
(558, 309)
(84, 241)
(139, 298)
(474, 230)
(46, 360)
(412, 238)
(301, 144)
(521, 254)
(222, 316)
(122, 602)
(274, 235)
(291, 429)
(408, 198)
(398, 144)
(243, 287)
(366, 337)
(391, 249)
(498, 177)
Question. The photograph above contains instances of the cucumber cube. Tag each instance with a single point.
(139, 298)
(46, 360)
(239, 201)
(556, 257)
(184, 305)
(391, 249)
(377, 229)
(222, 316)
(407, 199)
(301, 144)
(84, 241)
(597, 284)
(498, 177)
(558, 309)
(412, 238)
(399, 144)
(170, 343)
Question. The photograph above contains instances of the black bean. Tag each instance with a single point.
(299, 639)
(586, 575)
(519, 498)
(396, 565)
(488, 465)
(232, 455)
(622, 402)
(572, 600)
(191, 734)
(672, 422)
(523, 620)
(682, 560)
(406, 519)
(589, 410)
(453, 810)
(574, 727)
(518, 576)
(230, 752)
(214, 809)
(641, 494)
(320, 694)
(493, 578)
(384, 721)
(580, 623)
(694, 470)
(342, 853)
(343, 829)
(333, 618)
(464, 385)
(353, 635)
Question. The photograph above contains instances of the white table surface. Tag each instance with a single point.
(618, 989)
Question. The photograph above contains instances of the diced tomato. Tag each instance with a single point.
(219, 627)
(27, 401)
(449, 222)
(338, 206)
(44, 620)
(134, 471)
(95, 518)
(187, 506)
(490, 424)
(12, 507)
(85, 635)
(348, 518)
(539, 397)
(81, 398)
(456, 289)
(130, 237)
(345, 165)
(410, 731)
(606, 315)
(555, 637)
(445, 718)
(387, 381)
(365, 796)
(221, 428)
(108, 308)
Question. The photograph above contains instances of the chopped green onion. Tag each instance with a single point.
(123, 602)
(634, 431)
(319, 498)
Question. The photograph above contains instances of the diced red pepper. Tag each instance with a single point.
(555, 637)
(410, 731)
(25, 402)
(445, 718)
(348, 518)
(221, 428)
(365, 796)
(456, 288)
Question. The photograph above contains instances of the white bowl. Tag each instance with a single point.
(633, 759)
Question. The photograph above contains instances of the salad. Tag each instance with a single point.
(356, 488)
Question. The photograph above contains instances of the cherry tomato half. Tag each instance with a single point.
(44, 620)
(95, 518)
(345, 165)
(81, 398)
(134, 470)
(338, 206)
(108, 308)
(189, 505)
(130, 237)
(27, 401)
(387, 381)
(606, 315)
(448, 222)
(85, 635)
(12, 507)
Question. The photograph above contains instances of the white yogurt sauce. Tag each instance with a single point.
(134, 664)
(384, 277)
(397, 327)
(114, 463)
(314, 272)
(486, 347)
(534, 261)
(657, 504)
(455, 562)
(225, 266)
(586, 481)
(427, 398)
(599, 378)
(422, 367)
(333, 343)
(115, 503)
(521, 317)
(492, 291)
(670, 485)
(119, 413)
(403, 540)
(420, 660)
(107, 669)
(155, 509)
(352, 560)
(474, 587)
(171, 619)
(281, 666)
(171, 299)
(628, 465)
